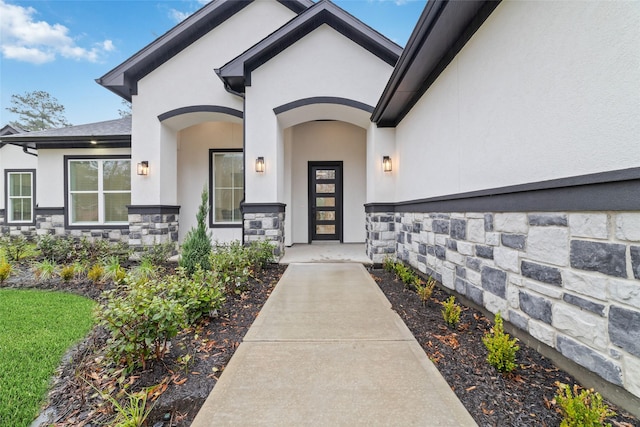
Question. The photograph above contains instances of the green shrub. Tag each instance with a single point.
(143, 316)
(260, 253)
(5, 270)
(96, 273)
(113, 271)
(45, 269)
(196, 249)
(389, 264)
(17, 248)
(141, 321)
(406, 275)
(134, 412)
(58, 249)
(451, 312)
(502, 350)
(584, 409)
(68, 272)
(424, 291)
(144, 271)
(80, 267)
(231, 267)
(66, 249)
(199, 294)
(157, 254)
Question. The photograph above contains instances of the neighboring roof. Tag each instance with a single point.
(123, 80)
(112, 133)
(9, 130)
(442, 30)
(237, 73)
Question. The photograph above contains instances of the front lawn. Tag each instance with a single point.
(36, 328)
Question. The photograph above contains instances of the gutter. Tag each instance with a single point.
(25, 150)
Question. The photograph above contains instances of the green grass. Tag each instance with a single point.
(36, 329)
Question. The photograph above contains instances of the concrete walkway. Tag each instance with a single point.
(326, 252)
(327, 350)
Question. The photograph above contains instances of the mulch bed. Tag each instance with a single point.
(521, 398)
(183, 379)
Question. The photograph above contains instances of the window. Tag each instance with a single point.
(227, 184)
(20, 204)
(99, 191)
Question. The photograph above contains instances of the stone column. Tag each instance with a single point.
(264, 221)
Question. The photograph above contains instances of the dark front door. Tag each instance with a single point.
(325, 201)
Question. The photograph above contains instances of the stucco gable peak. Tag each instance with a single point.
(123, 79)
(236, 74)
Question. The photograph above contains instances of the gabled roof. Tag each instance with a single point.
(123, 80)
(9, 130)
(112, 133)
(442, 30)
(237, 73)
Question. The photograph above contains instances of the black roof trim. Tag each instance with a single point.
(617, 190)
(323, 100)
(201, 109)
(262, 207)
(123, 80)
(236, 74)
(441, 32)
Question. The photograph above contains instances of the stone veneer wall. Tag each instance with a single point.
(381, 236)
(53, 224)
(569, 279)
(152, 229)
(265, 226)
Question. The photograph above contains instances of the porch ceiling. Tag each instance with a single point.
(313, 112)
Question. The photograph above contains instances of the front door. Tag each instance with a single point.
(325, 201)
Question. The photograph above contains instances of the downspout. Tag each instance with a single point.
(24, 150)
(228, 88)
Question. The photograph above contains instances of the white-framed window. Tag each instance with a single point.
(227, 186)
(99, 191)
(20, 203)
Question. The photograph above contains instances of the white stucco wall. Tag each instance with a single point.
(543, 90)
(193, 171)
(12, 157)
(50, 174)
(323, 63)
(330, 141)
(189, 79)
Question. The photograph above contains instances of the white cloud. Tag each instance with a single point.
(26, 39)
(177, 15)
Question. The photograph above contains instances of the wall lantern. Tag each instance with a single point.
(260, 164)
(143, 168)
(386, 164)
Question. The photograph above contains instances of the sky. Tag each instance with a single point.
(62, 46)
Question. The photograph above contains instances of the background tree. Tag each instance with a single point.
(38, 110)
(125, 111)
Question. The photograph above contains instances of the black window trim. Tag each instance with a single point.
(67, 208)
(33, 197)
(213, 224)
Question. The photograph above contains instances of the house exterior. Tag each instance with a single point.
(498, 152)
(17, 180)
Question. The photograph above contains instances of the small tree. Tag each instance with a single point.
(38, 110)
(197, 249)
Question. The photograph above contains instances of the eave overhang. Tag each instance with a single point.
(441, 32)
(123, 80)
(107, 134)
(236, 74)
(115, 141)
